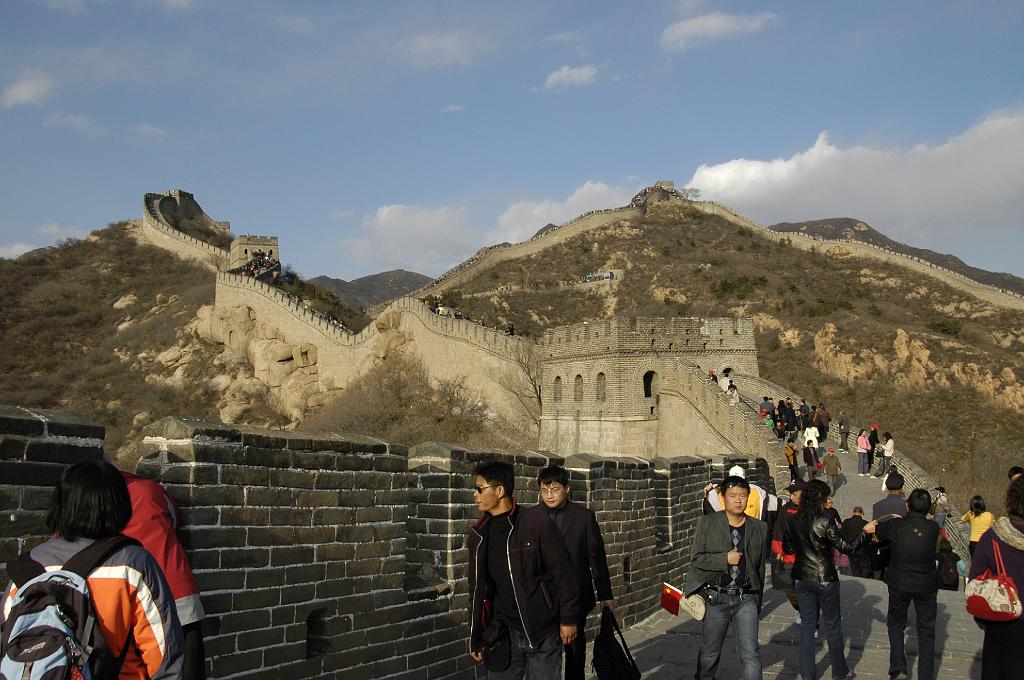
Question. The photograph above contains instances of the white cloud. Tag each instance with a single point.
(971, 183)
(12, 250)
(55, 231)
(455, 48)
(77, 122)
(453, 108)
(570, 76)
(711, 27)
(421, 238)
(341, 214)
(32, 87)
(522, 219)
(148, 131)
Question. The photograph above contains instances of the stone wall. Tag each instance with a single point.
(242, 248)
(344, 557)
(450, 348)
(156, 230)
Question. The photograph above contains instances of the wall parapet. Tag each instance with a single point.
(337, 556)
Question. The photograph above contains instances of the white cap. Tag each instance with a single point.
(737, 471)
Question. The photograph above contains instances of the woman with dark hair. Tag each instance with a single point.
(812, 534)
(980, 519)
(863, 447)
(888, 451)
(1000, 653)
(134, 607)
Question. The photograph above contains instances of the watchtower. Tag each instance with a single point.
(606, 384)
(243, 247)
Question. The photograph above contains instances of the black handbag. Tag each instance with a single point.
(782, 575)
(879, 552)
(612, 661)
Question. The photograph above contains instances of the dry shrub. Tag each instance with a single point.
(396, 401)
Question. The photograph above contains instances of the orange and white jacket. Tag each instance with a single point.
(130, 594)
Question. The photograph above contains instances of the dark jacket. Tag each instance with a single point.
(712, 542)
(853, 527)
(542, 576)
(890, 505)
(912, 565)
(813, 547)
(586, 550)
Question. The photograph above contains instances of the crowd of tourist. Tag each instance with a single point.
(443, 310)
(260, 263)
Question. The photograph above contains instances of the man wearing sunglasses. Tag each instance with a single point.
(523, 593)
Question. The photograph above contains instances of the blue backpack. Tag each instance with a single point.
(51, 632)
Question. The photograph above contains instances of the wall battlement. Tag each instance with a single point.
(344, 557)
(685, 335)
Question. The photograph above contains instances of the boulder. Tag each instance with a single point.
(126, 301)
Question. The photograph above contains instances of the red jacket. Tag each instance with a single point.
(154, 520)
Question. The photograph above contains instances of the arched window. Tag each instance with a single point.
(577, 388)
(649, 379)
(557, 396)
(601, 387)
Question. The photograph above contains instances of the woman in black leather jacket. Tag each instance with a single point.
(811, 535)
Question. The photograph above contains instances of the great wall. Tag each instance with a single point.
(341, 556)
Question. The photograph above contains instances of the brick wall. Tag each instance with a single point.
(339, 556)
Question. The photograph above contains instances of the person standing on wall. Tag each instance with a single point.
(911, 577)
(578, 526)
(811, 535)
(523, 595)
(727, 568)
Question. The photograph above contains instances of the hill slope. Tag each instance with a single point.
(100, 327)
(854, 230)
(878, 340)
(372, 289)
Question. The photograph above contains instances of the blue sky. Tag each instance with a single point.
(370, 136)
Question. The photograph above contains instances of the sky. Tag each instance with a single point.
(373, 136)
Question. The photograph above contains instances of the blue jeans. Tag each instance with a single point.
(543, 662)
(884, 465)
(863, 467)
(817, 597)
(741, 610)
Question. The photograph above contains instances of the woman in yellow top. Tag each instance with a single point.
(979, 519)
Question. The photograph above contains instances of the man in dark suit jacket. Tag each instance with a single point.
(911, 577)
(853, 526)
(578, 526)
(727, 569)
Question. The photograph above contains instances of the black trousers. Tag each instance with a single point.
(860, 564)
(1000, 653)
(576, 653)
(925, 607)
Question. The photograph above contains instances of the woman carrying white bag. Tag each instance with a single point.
(993, 590)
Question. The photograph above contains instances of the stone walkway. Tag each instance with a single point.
(665, 646)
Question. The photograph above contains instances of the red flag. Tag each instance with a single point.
(670, 597)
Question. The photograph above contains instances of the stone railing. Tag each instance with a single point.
(737, 426)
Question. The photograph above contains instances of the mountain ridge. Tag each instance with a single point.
(852, 229)
(373, 288)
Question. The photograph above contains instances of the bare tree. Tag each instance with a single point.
(690, 193)
(521, 380)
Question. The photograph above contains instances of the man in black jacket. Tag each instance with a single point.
(520, 579)
(911, 577)
(578, 527)
(853, 526)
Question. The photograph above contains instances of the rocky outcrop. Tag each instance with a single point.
(910, 366)
(283, 374)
